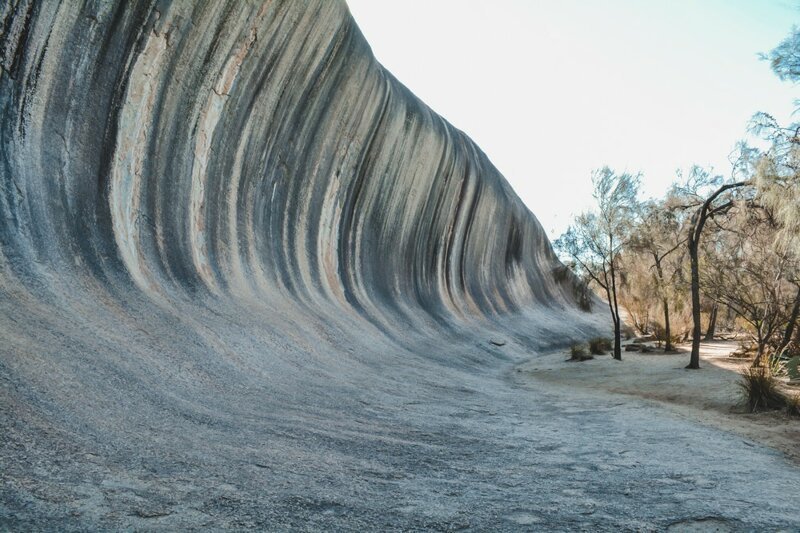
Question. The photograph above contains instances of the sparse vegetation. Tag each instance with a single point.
(595, 242)
(760, 389)
(578, 353)
(793, 405)
(599, 345)
(762, 392)
(717, 252)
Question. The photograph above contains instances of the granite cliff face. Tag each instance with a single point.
(228, 237)
(249, 151)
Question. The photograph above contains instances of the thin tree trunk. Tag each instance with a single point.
(611, 305)
(665, 301)
(694, 360)
(787, 334)
(699, 220)
(757, 362)
(667, 332)
(712, 323)
(617, 328)
(759, 354)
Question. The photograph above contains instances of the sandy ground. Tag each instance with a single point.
(710, 396)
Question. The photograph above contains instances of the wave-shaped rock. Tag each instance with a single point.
(229, 237)
(250, 150)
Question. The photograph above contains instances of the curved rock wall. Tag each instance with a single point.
(252, 149)
(215, 216)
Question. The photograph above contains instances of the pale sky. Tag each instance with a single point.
(551, 89)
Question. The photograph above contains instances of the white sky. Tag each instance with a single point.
(551, 89)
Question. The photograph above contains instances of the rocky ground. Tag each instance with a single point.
(248, 280)
(505, 449)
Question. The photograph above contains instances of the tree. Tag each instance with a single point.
(777, 179)
(596, 239)
(777, 170)
(750, 275)
(659, 235)
(637, 290)
(712, 322)
(785, 58)
(704, 206)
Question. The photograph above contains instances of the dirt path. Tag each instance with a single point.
(710, 396)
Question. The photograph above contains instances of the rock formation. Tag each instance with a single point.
(233, 245)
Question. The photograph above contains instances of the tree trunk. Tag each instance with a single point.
(712, 323)
(665, 301)
(759, 353)
(617, 340)
(667, 332)
(699, 220)
(787, 334)
(757, 362)
(694, 360)
(617, 327)
(611, 307)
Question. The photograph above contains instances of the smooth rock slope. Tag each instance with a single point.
(247, 279)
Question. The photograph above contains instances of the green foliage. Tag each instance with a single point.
(596, 239)
(616, 198)
(635, 253)
(785, 58)
(777, 366)
(691, 189)
(777, 170)
(776, 176)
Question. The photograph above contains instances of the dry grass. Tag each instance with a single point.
(793, 405)
(599, 345)
(578, 353)
(761, 390)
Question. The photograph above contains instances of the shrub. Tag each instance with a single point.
(577, 350)
(599, 345)
(793, 367)
(578, 353)
(776, 365)
(760, 390)
(793, 405)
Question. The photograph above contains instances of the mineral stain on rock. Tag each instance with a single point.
(246, 281)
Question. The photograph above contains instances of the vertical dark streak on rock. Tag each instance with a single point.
(467, 237)
(15, 50)
(226, 232)
(107, 89)
(348, 261)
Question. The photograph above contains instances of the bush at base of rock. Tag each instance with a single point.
(599, 345)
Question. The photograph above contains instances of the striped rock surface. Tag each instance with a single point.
(248, 279)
